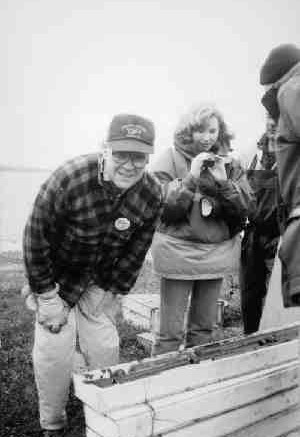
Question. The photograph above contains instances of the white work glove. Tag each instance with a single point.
(30, 298)
(52, 311)
(96, 301)
(217, 168)
(111, 305)
(115, 305)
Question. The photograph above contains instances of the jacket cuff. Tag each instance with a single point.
(45, 290)
(48, 295)
(226, 186)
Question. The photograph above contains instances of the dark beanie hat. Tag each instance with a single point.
(280, 60)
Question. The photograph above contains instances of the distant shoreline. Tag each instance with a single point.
(7, 168)
(11, 256)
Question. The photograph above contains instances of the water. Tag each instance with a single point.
(17, 193)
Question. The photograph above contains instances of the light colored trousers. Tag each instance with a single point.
(202, 317)
(91, 327)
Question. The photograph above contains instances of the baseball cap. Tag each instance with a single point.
(131, 133)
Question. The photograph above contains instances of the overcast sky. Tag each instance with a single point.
(69, 65)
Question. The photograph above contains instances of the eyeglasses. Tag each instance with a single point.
(138, 159)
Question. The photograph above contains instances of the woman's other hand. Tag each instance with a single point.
(198, 163)
(218, 170)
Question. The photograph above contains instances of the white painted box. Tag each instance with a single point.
(243, 387)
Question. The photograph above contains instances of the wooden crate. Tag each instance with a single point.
(242, 387)
(143, 310)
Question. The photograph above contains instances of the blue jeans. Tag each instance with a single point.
(202, 315)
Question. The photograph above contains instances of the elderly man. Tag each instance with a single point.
(84, 244)
(280, 74)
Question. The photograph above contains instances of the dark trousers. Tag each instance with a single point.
(202, 315)
(257, 259)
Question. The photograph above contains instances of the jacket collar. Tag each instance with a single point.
(294, 71)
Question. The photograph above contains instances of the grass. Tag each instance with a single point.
(18, 404)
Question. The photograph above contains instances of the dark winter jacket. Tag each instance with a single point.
(264, 183)
(288, 158)
(187, 245)
(230, 199)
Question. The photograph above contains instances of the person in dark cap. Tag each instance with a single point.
(84, 244)
(261, 236)
(280, 74)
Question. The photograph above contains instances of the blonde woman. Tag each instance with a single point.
(207, 197)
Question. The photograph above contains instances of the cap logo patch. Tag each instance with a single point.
(134, 130)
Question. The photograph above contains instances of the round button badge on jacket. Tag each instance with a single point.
(206, 207)
(122, 224)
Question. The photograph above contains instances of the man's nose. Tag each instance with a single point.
(129, 164)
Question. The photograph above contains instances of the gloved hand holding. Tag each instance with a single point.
(113, 304)
(95, 301)
(30, 298)
(213, 163)
(218, 170)
(110, 304)
(198, 163)
(52, 310)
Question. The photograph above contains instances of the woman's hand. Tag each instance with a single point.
(199, 161)
(218, 170)
(213, 163)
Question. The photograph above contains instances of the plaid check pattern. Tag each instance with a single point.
(72, 238)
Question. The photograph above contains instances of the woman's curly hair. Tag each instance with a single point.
(192, 120)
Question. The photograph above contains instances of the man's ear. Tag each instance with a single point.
(106, 151)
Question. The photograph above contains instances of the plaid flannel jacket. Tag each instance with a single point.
(72, 236)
